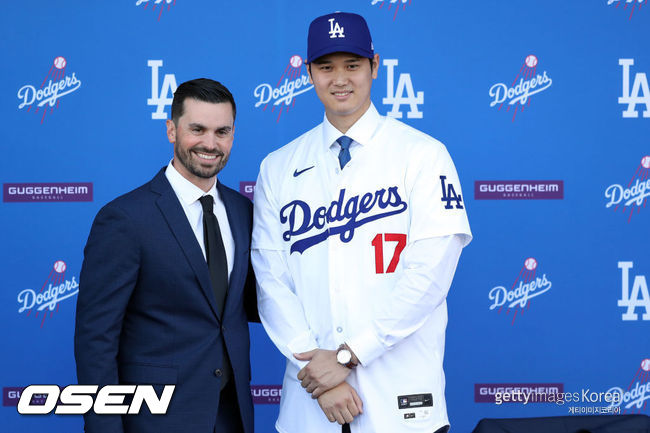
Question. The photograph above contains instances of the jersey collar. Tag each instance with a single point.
(361, 132)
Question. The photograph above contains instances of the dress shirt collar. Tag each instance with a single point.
(361, 132)
(186, 190)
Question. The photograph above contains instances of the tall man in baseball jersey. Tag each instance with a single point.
(165, 291)
(358, 227)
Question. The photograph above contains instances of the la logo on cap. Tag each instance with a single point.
(336, 31)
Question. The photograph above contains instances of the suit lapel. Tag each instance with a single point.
(238, 230)
(177, 220)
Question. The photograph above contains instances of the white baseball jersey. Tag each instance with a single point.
(363, 255)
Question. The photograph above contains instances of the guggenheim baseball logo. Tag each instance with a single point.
(56, 84)
(519, 189)
(55, 289)
(47, 192)
(527, 286)
(293, 82)
(80, 399)
(632, 196)
(526, 84)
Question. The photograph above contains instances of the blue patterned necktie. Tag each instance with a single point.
(344, 154)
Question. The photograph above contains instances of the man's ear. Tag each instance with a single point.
(171, 130)
(375, 64)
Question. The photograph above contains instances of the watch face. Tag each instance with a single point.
(343, 356)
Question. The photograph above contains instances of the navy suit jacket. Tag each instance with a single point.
(146, 311)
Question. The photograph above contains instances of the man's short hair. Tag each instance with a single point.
(201, 89)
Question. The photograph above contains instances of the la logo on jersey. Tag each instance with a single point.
(449, 195)
(638, 298)
(336, 31)
(161, 97)
(402, 94)
(640, 93)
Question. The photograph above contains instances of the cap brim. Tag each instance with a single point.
(340, 49)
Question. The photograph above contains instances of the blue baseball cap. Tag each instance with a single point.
(339, 32)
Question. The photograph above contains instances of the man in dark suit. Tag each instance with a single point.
(166, 289)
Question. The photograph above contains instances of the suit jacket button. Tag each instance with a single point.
(218, 372)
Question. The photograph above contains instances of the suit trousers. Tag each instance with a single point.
(229, 416)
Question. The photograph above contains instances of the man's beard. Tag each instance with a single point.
(193, 164)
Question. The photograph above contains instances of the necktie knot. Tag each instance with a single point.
(207, 202)
(344, 141)
(344, 155)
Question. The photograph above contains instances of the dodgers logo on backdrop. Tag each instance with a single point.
(527, 286)
(639, 95)
(156, 3)
(632, 196)
(294, 81)
(55, 85)
(638, 298)
(526, 84)
(391, 3)
(46, 299)
(634, 5)
(161, 97)
(402, 94)
(371, 206)
(634, 397)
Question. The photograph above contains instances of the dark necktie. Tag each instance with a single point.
(218, 266)
(344, 154)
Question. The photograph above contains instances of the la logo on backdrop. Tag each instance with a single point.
(638, 95)
(38, 303)
(527, 285)
(161, 95)
(638, 298)
(391, 3)
(631, 5)
(293, 82)
(156, 3)
(56, 84)
(526, 84)
(632, 196)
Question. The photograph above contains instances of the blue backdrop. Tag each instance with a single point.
(521, 92)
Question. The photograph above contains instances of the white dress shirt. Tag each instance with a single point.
(188, 194)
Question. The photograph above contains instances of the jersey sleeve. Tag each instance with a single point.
(280, 310)
(436, 200)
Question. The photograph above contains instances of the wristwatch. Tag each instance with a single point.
(344, 357)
